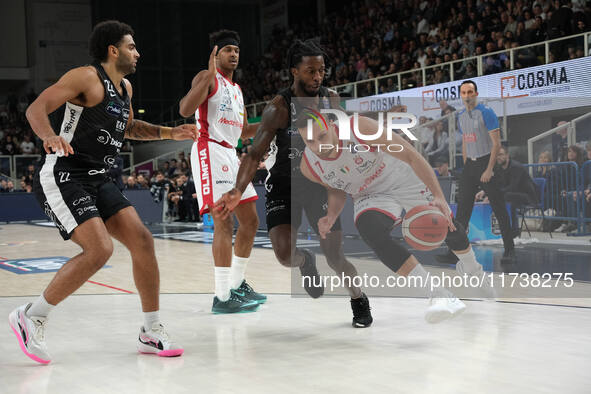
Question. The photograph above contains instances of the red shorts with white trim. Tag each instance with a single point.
(392, 202)
(215, 168)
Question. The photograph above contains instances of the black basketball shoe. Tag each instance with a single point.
(361, 312)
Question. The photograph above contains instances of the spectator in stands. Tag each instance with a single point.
(10, 187)
(142, 182)
(516, 184)
(559, 142)
(441, 168)
(172, 169)
(437, 146)
(3, 186)
(568, 196)
(160, 187)
(543, 171)
(27, 146)
(393, 40)
(29, 174)
(9, 147)
(184, 169)
(131, 183)
(186, 200)
(165, 168)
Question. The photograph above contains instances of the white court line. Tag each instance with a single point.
(574, 251)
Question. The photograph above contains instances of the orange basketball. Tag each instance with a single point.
(424, 227)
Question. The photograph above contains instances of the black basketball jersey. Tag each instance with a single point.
(289, 145)
(95, 133)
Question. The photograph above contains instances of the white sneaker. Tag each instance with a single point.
(485, 286)
(157, 341)
(443, 308)
(30, 332)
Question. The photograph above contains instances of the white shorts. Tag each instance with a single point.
(392, 201)
(215, 168)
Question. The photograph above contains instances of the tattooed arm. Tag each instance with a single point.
(140, 130)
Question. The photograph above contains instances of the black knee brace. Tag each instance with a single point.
(375, 227)
(457, 240)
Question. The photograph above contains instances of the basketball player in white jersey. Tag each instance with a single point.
(382, 184)
(218, 105)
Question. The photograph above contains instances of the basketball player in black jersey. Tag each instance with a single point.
(288, 191)
(83, 119)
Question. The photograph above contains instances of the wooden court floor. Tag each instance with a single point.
(292, 344)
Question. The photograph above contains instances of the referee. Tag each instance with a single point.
(480, 145)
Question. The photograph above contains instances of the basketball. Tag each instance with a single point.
(424, 227)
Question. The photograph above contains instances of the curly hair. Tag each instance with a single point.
(300, 48)
(104, 34)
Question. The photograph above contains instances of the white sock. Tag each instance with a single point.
(469, 261)
(237, 271)
(40, 307)
(222, 283)
(430, 290)
(150, 318)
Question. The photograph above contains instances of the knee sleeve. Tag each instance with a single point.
(457, 240)
(375, 227)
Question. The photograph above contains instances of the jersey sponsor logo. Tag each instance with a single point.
(96, 172)
(70, 122)
(330, 175)
(110, 88)
(120, 126)
(365, 166)
(205, 186)
(106, 139)
(114, 109)
(224, 182)
(109, 159)
(82, 210)
(81, 200)
(223, 107)
(369, 180)
(229, 122)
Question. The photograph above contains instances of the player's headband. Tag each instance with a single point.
(226, 41)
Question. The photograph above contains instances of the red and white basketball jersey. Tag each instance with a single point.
(221, 115)
(362, 172)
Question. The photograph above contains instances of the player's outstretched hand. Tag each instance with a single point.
(324, 225)
(212, 65)
(226, 204)
(441, 204)
(185, 132)
(59, 145)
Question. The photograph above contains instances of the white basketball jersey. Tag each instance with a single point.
(357, 173)
(221, 115)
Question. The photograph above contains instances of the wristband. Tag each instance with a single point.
(165, 133)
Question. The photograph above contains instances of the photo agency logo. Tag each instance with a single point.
(363, 141)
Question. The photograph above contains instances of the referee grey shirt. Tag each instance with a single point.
(475, 126)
